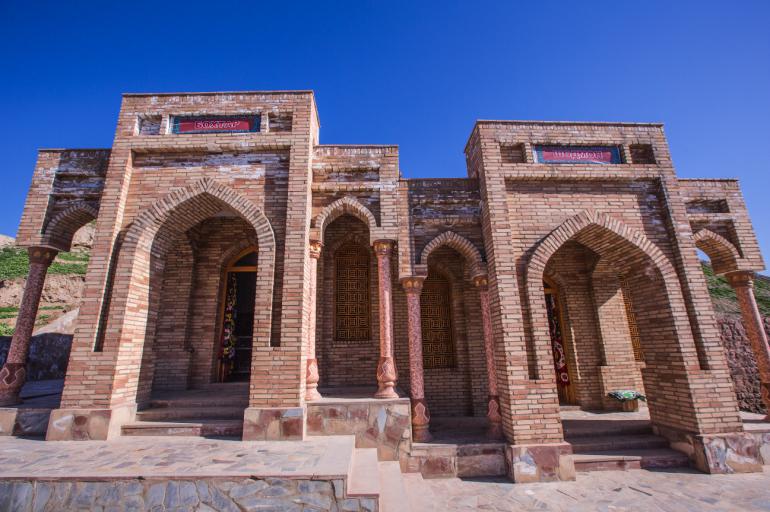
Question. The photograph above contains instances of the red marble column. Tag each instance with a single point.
(494, 430)
(386, 368)
(311, 379)
(14, 373)
(743, 284)
(420, 414)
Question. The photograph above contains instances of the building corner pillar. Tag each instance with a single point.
(311, 378)
(495, 428)
(386, 367)
(420, 413)
(743, 284)
(14, 373)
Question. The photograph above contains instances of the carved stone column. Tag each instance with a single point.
(494, 430)
(386, 368)
(743, 284)
(14, 373)
(311, 379)
(420, 414)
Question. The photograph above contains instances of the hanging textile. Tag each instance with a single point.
(557, 343)
(227, 350)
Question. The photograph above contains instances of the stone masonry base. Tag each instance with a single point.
(529, 463)
(732, 452)
(88, 424)
(274, 424)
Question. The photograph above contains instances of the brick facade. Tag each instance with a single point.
(172, 210)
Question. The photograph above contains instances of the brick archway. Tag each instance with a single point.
(667, 334)
(346, 205)
(460, 244)
(62, 227)
(141, 263)
(723, 255)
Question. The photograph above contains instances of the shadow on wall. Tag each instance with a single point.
(48, 355)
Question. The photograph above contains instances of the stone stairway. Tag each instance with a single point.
(378, 481)
(216, 411)
(622, 445)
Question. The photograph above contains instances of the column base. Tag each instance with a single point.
(724, 453)
(528, 463)
(88, 424)
(420, 421)
(12, 378)
(495, 425)
(274, 423)
(311, 381)
(386, 378)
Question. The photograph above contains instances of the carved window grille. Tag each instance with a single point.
(436, 310)
(352, 319)
(633, 328)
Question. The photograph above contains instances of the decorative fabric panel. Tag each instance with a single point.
(436, 310)
(636, 340)
(352, 316)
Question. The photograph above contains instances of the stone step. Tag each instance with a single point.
(392, 491)
(364, 475)
(579, 428)
(200, 401)
(616, 442)
(613, 460)
(191, 413)
(198, 428)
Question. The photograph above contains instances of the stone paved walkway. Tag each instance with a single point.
(637, 490)
(189, 457)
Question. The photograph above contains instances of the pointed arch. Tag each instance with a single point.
(345, 205)
(723, 254)
(459, 243)
(141, 260)
(60, 230)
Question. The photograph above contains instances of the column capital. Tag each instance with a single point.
(741, 279)
(383, 247)
(481, 281)
(44, 255)
(315, 248)
(412, 284)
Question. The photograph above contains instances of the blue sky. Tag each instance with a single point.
(412, 73)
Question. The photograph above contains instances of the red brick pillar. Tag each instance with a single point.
(14, 373)
(420, 414)
(495, 428)
(386, 368)
(743, 284)
(311, 380)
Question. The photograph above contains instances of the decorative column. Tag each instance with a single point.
(386, 368)
(494, 430)
(420, 414)
(743, 284)
(311, 379)
(14, 373)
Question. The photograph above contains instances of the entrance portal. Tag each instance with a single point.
(238, 318)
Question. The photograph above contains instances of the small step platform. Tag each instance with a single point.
(199, 428)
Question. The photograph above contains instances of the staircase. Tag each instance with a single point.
(622, 445)
(381, 482)
(216, 411)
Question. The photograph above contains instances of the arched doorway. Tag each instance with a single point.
(236, 318)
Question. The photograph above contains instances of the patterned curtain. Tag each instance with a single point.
(557, 343)
(227, 350)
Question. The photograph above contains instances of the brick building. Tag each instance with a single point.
(235, 253)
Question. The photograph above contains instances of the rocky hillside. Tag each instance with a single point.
(63, 286)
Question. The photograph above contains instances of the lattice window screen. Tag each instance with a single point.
(352, 317)
(636, 341)
(436, 310)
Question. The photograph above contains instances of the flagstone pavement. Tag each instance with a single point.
(615, 491)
